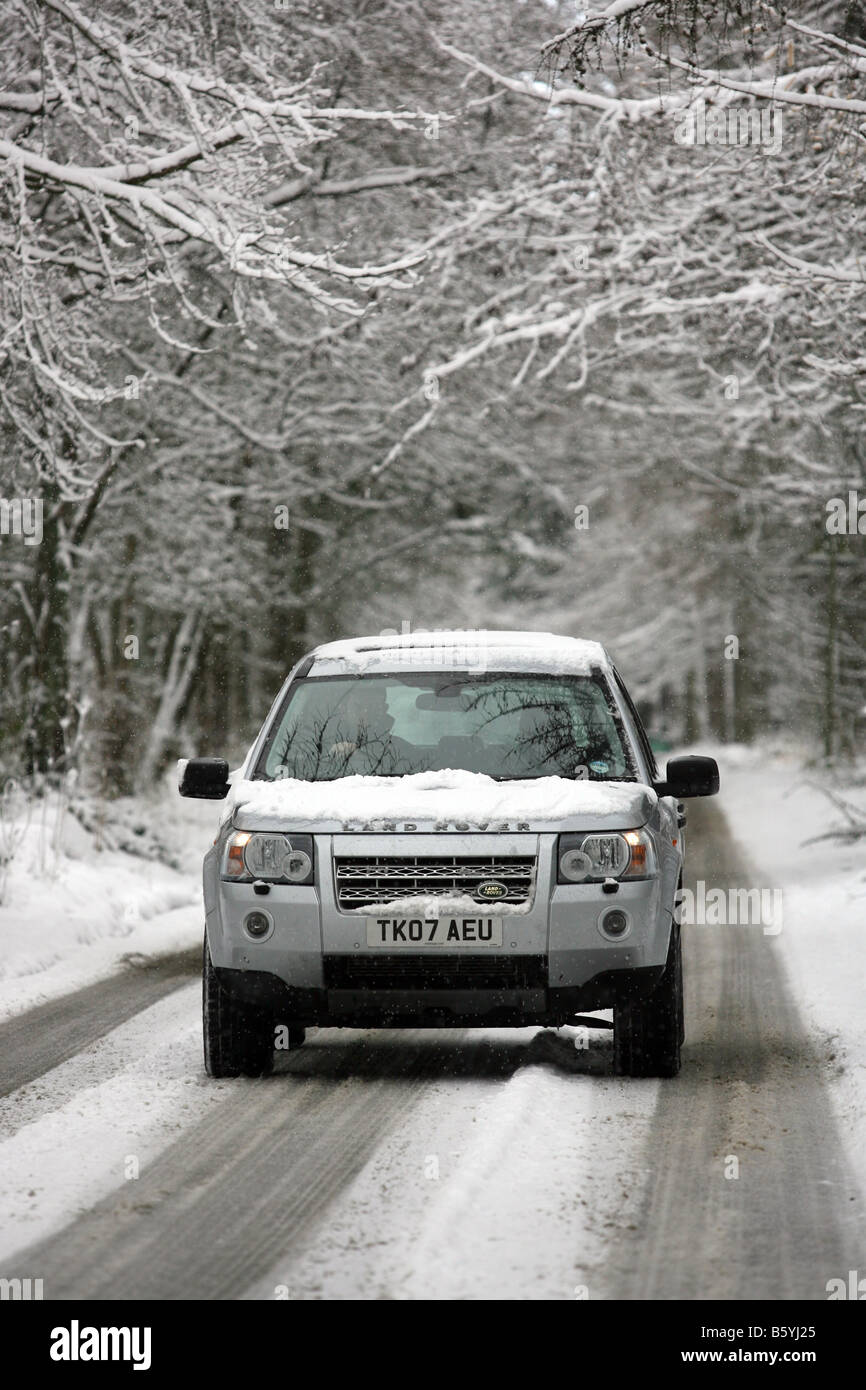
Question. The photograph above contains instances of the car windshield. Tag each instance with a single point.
(507, 726)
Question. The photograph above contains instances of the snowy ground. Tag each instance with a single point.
(774, 809)
(72, 906)
(573, 1172)
(416, 1128)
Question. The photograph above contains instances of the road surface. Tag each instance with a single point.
(447, 1165)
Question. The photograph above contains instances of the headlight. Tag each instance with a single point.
(588, 858)
(270, 856)
(297, 866)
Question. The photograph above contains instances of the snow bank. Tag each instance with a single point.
(83, 890)
(774, 809)
(451, 796)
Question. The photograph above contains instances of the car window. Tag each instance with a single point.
(640, 732)
(507, 726)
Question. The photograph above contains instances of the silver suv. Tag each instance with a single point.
(449, 830)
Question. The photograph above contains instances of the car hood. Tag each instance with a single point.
(451, 800)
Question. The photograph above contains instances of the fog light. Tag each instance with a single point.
(257, 925)
(614, 924)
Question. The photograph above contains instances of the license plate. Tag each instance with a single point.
(454, 932)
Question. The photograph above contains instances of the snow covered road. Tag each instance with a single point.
(434, 1164)
(39, 1040)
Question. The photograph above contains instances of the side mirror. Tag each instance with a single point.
(690, 776)
(206, 778)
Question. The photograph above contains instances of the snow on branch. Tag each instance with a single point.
(824, 39)
(298, 110)
(155, 171)
(618, 108)
(812, 268)
(855, 826)
(589, 24)
(776, 88)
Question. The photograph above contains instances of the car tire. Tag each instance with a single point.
(648, 1033)
(237, 1036)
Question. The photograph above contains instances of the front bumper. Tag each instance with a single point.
(315, 965)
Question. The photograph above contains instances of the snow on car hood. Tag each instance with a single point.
(448, 800)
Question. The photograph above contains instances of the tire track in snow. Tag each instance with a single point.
(753, 1089)
(500, 1188)
(68, 1139)
(34, 1042)
(214, 1211)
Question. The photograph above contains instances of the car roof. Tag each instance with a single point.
(459, 650)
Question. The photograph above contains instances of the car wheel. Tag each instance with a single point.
(237, 1037)
(648, 1033)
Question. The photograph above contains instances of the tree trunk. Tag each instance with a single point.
(181, 666)
(49, 730)
(829, 730)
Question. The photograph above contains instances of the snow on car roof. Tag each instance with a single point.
(452, 649)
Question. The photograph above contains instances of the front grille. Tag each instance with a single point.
(418, 972)
(362, 880)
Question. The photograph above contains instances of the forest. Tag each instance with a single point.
(332, 318)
